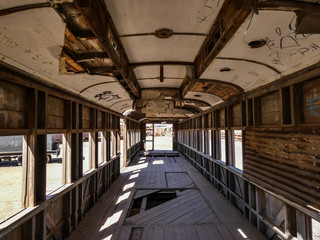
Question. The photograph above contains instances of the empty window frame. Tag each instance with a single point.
(203, 144)
(11, 153)
(222, 138)
(86, 165)
(209, 142)
(113, 144)
(237, 149)
(315, 229)
(101, 147)
(55, 158)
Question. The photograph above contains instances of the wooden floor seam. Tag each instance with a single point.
(198, 211)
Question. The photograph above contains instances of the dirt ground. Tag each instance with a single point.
(160, 143)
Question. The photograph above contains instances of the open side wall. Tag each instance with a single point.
(34, 110)
(277, 185)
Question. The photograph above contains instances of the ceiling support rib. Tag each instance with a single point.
(8, 11)
(232, 14)
(140, 64)
(287, 6)
(98, 18)
(218, 82)
(188, 82)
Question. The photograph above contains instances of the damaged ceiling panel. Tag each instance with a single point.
(222, 90)
(33, 40)
(159, 60)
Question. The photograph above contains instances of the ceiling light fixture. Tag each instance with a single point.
(163, 33)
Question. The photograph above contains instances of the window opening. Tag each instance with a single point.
(85, 152)
(163, 136)
(54, 164)
(223, 145)
(210, 142)
(10, 175)
(238, 154)
(101, 147)
(315, 229)
(149, 137)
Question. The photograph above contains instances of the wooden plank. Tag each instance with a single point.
(191, 232)
(125, 233)
(223, 230)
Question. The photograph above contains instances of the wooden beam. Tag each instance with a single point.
(286, 6)
(8, 11)
(97, 16)
(232, 14)
(188, 82)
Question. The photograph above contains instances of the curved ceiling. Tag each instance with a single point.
(166, 59)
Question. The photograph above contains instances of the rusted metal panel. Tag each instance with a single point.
(289, 162)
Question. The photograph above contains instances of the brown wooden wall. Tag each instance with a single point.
(33, 109)
(280, 180)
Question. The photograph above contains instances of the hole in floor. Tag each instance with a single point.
(136, 233)
(150, 201)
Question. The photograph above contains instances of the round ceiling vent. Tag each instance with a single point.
(225, 69)
(257, 43)
(163, 33)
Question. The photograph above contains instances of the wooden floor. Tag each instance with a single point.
(195, 212)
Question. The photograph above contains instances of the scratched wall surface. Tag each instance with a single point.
(311, 102)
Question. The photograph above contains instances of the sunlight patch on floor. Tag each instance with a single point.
(123, 197)
(111, 220)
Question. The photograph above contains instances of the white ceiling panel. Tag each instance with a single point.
(246, 75)
(205, 97)
(106, 94)
(146, 16)
(151, 48)
(155, 83)
(175, 71)
(284, 50)
(147, 71)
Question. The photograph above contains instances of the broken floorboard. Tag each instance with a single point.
(190, 207)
